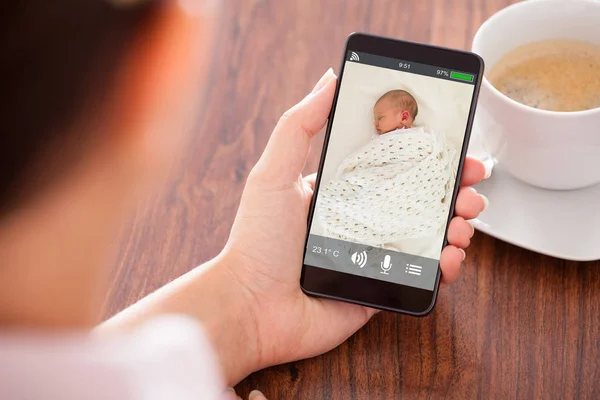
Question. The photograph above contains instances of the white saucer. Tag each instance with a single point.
(562, 224)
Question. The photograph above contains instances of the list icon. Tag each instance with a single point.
(413, 269)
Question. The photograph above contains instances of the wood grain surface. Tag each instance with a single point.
(516, 325)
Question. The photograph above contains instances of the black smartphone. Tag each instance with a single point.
(388, 178)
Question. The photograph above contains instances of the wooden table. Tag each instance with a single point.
(516, 325)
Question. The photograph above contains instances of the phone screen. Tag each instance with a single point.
(389, 170)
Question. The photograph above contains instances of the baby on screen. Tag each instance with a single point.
(396, 109)
(394, 187)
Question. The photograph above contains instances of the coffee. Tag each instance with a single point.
(554, 75)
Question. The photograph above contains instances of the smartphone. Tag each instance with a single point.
(388, 178)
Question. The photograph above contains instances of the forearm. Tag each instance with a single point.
(210, 294)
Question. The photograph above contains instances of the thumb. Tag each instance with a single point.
(285, 155)
(256, 395)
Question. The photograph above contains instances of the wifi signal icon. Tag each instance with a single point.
(359, 259)
(354, 57)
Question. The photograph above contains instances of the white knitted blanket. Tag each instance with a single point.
(397, 186)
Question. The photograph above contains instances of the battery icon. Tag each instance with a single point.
(461, 77)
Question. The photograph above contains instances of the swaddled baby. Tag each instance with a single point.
(394, 187)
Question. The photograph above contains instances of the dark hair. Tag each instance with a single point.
(58, 60)
(403, 99)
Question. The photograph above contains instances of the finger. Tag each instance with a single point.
(474, 171)
(460, 232)
(287, 149)
(310, 180)
(230, 394)
(469, 203)
(309, 185)
(450, 262)
(326, 77)
(256, 395)
(371, 311)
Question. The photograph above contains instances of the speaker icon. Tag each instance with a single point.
(354, 56)
(359, 259)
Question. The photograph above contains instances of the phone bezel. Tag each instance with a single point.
(370, 292)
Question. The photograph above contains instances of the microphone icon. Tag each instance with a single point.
(386, 265)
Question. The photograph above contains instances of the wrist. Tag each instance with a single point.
(211, 294)
(228, 317)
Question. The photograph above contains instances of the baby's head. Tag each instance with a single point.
(394, 110)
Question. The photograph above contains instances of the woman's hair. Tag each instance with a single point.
(59, 58)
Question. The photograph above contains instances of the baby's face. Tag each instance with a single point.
(388, 117)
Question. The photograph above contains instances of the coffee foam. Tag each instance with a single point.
(555, 75)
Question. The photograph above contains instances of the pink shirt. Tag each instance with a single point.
(167, 358)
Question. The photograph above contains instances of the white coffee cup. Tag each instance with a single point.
(552, 150)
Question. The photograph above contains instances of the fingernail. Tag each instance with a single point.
(329, 75)
(230, 394)
(464, 255)
(256, 395)
(326, 76)
(323, 80)
(486, 202)
(489, 166)
(470, 222)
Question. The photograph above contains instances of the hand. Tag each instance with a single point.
(265, 249)
(254, 395)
